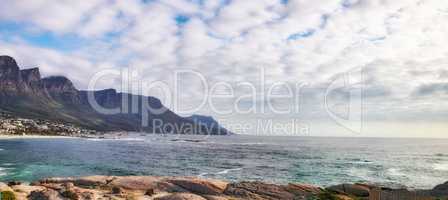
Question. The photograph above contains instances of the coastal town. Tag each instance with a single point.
(12, 125)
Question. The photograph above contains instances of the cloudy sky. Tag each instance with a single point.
(399, 47)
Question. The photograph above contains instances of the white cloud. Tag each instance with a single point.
(50, 62)
(302, 41)
(56, 16)
(195, 41)
(241, 16)
(104, 20)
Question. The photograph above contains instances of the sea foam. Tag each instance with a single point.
(226, 171)
(229, 170)
(441, 166)
(3, 171)
(395, 172)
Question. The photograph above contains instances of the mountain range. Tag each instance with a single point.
(24, 93)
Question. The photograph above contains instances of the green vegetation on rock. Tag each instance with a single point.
(327, 195)
(7, 195)
(70, 195)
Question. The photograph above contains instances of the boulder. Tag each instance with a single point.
(351, 189)
(47, 194)
(57, 180)
(303, 189)
(4, 187)
(53, 186)
(117, 190)
(343, 197)
(442, 187)
(68, 186)
(83, 194)
(149, 192)
(135, 182)
(200, 186)
(12, 183)
(180, 196)
(89, 195)
(26, 189)
(221, 197)
(92, 181)
(440, 190)
(71, 194)
(397, 194)
(164, 186)
(258, 190)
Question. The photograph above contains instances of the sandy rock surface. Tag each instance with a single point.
(194, 188)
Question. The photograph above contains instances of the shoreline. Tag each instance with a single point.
(109, 135)
(195, 188)
(5, 137)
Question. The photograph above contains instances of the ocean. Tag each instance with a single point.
(416, 163)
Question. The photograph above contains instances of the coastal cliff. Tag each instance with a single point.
(193, 188)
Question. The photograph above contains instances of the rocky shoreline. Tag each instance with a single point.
(193, 188)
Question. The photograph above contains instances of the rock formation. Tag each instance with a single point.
(193, 188)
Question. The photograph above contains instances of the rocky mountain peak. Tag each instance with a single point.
(61, 89)
(58, 84)
(8, 61)
(107, 92)
(8, 68)
(30, 75)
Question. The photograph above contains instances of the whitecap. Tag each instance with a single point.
(94, 139)
(131, 139)
(1, 149)
(362, 162)
(254, 143)
(228, 170)
(2, 171)
(115, 139)
(247, 143)
(203, 174)
(395, 172)
(441, 166)
(363, 174)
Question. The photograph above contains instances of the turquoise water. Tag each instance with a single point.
(420, 163)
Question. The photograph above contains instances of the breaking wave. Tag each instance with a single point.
(226, 171)
(441, 166)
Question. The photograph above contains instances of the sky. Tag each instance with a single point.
(396, 49)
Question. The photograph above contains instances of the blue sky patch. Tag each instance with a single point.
(12, 31)
(199, 2)
(303, 34)
(147, 1)
(182, 19)
(349, 3)
(377, 39)
(324, 21)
